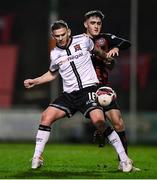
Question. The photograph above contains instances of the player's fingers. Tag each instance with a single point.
(117, 53)
(28, 86)
(27, 83)
(112, 54)
(109, 54)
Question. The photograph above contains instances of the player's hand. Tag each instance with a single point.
(113, 52)
(29, 83)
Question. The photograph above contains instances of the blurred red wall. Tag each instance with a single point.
(8, 60)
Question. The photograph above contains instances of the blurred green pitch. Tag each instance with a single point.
(74, 161)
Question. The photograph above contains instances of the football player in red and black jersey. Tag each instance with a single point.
(71, 58)
(111, 45)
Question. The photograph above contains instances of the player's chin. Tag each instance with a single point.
(96, 33)
(63, 44)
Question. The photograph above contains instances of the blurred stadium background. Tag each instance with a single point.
(24, 53)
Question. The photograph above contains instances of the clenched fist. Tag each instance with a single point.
(29, 83)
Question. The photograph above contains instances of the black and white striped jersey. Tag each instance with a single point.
(74, 63)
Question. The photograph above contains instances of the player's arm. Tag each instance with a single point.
(108, 60)
(116, 44)
(47, 77)
(122, 44)
(113, 52)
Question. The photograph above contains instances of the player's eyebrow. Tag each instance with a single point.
(94, 22)
(60, 35)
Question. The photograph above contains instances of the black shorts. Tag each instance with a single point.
(112, 105)
(82, 100)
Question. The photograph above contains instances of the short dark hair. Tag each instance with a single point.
(94, 13)
(59, 24)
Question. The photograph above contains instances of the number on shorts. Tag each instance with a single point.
(92, 96)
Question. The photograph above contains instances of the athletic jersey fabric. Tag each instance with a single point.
(74, 63)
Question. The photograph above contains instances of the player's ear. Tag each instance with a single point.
(52, 36)
(69, 32)
(85, 24)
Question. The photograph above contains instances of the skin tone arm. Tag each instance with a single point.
(47, 77)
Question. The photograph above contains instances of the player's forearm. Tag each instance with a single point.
(124, 44)
(47, 77)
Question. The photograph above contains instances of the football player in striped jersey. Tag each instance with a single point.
(71, 58)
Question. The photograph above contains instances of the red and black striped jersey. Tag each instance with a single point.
(106, 41)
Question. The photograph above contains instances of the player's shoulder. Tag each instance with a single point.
(55, 52)
(81, 36)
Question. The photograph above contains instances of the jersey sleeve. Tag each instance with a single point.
(115, 41)
(89, 43)
(53, 66)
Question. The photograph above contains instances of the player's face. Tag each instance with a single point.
(93, 26)
(62, 36)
